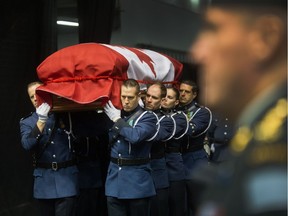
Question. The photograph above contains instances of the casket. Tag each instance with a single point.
(61, 104)
(85, 76)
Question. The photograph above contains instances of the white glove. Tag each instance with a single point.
(141, 104)
(113, 113)
(43, 111)
(212, 148)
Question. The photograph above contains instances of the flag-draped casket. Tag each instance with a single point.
(90, 74)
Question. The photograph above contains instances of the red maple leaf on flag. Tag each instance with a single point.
(143, 58)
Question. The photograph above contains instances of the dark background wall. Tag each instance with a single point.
(19, 54)
(28, 34)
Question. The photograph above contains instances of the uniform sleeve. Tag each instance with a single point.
(211, 131)
(167, 129)
(30, 134)
(116, 128)
(144, 129)
(200, 122)
(181, 124)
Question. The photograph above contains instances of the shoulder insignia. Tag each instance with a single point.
(189, 114)
(130, 122)
(269, 128)
(26, 116)
(266, 131)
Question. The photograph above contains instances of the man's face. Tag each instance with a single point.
(129, 98)
(226, 59)
(170, 100)
(153, 98)
(186, 94)
(32, 94)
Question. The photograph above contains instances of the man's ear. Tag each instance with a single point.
(194, 95)
(266, 37)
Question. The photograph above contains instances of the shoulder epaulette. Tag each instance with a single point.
(267, 130)
(199, 105)
(26, 116)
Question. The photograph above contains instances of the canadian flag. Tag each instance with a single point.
(88, 72)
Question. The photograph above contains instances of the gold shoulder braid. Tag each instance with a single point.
(266, 131)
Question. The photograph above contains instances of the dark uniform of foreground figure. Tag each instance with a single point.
(129, 184)
(159, 203)
(192, 144)
(248, 53)
(55, 174)
(90, 140)
(174, 160)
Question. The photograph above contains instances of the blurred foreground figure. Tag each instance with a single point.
(243, 56)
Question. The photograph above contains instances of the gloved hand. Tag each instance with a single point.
(212, 148)
(113, 113)
(43, 111)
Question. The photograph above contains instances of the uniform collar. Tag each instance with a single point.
(187, 106)
(127, 114)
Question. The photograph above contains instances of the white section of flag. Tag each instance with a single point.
(140, 70)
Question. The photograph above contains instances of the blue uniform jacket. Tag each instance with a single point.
(219, 135)
(221, 131)
(49, 184)
(174, 160)
(199, 118)
(129, 138)
(158, 162)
